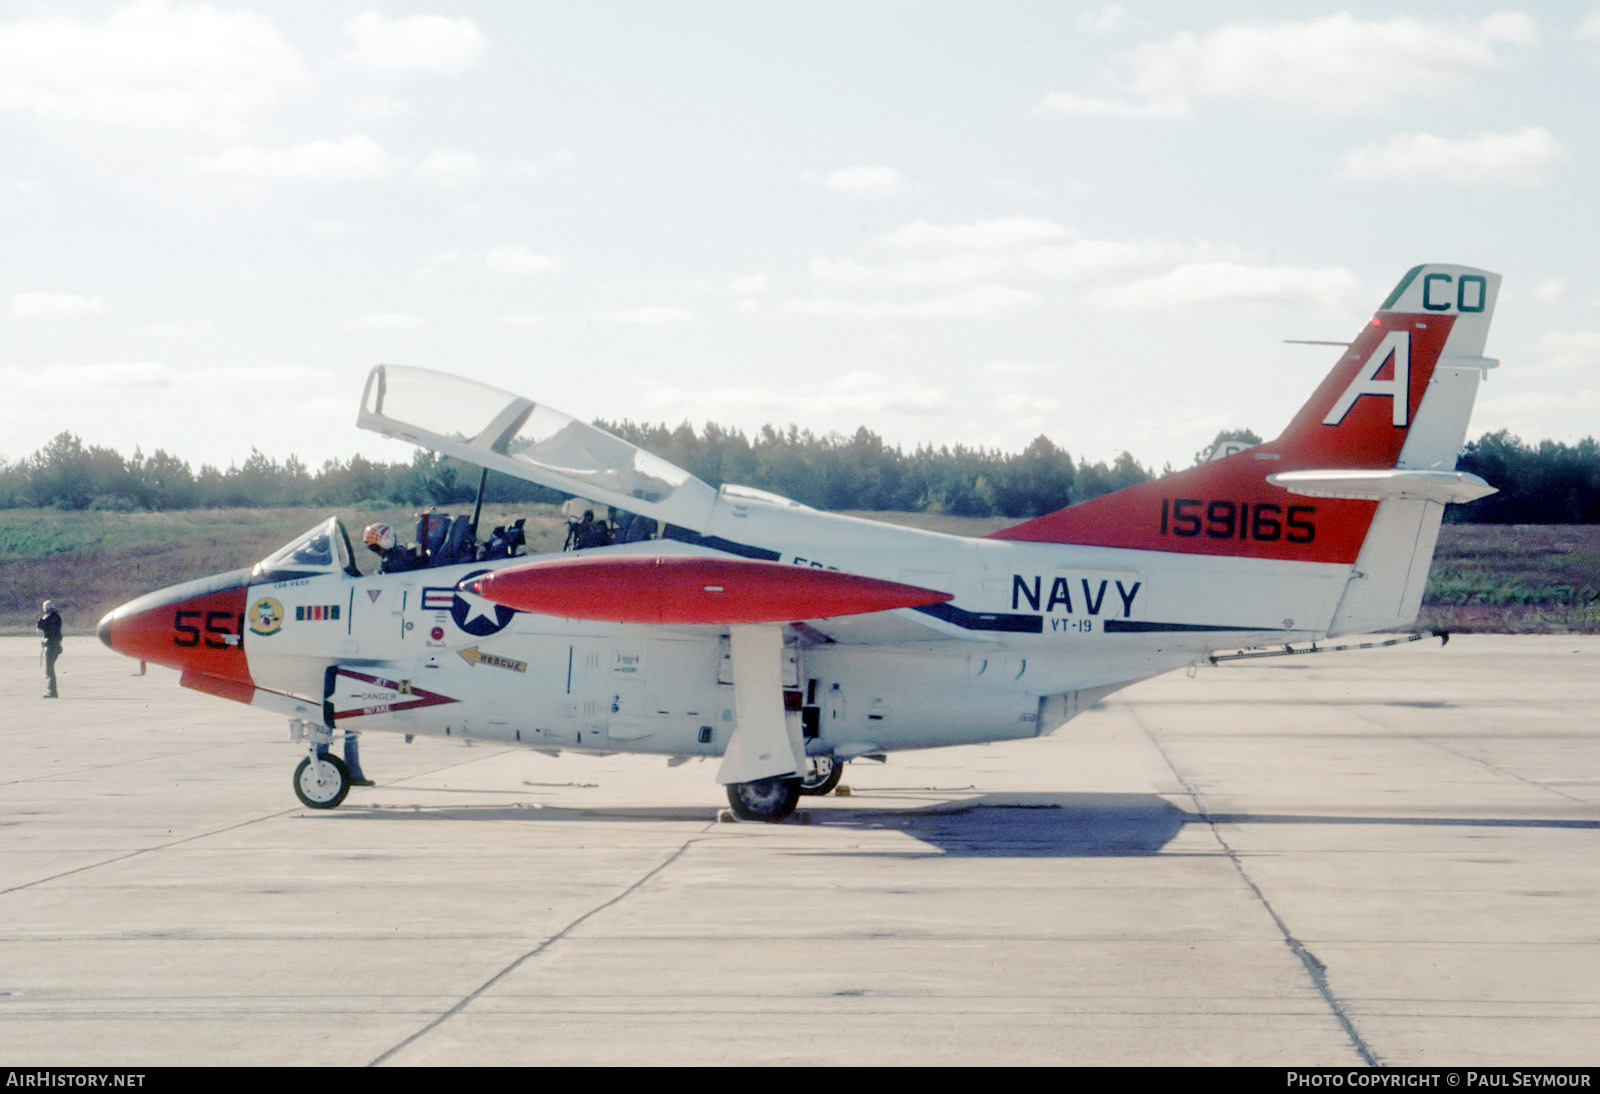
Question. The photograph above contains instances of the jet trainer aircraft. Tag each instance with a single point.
(788, 641)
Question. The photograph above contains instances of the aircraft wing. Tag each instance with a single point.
(518, 437)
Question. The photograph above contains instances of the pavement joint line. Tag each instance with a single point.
(1498, 770)
(1315, 969)
(465, 1000)
(120, 763)
(136, 852)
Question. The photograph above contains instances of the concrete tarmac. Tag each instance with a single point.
(1375, 857)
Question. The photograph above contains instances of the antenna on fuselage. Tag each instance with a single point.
(477, 510)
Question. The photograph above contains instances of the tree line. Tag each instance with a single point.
(1543, 484)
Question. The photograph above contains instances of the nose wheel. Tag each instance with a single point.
(321, 782)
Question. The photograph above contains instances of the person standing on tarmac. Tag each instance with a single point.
(352, 760)
(49, 625)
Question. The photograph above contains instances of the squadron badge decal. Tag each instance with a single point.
(266, 616)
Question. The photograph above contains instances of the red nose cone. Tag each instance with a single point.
(692, 589)
(197, 627)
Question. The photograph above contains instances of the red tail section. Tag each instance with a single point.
(1358, 418)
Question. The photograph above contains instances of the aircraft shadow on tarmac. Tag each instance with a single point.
(986, 826)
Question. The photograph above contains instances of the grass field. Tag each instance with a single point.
(1508, 579)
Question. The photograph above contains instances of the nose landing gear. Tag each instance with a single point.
(321, 782)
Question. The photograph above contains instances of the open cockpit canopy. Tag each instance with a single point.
(514, 435)
(325, 549)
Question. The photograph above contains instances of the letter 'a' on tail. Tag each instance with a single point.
(1358, 478)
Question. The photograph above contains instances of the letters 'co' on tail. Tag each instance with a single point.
(1387, 421)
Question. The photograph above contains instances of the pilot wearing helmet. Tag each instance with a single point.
(49, 626)
(394, 558)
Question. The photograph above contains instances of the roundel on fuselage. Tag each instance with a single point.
(476, 615)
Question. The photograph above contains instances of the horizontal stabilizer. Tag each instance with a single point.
(1441, 486)
(690, 589)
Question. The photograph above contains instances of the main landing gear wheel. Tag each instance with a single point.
(764, 799)
(822, 775)
(324, 785)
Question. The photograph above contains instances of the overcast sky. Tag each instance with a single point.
(949, 222)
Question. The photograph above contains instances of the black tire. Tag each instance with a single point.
(330, 792)
(765, 799)
(822, 775)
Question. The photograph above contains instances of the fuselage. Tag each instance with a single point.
(1033, 634)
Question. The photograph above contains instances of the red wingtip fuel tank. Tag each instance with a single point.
(688, 589)
(196, 627)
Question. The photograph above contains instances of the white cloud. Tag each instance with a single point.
(148, 64)
(1020, 370)
(1212, 284)
(1064, 262)
(861, 395)
(646, 316)
(388, 320)
(444, 260)
(1489, 159)
(378, 107)
(1590, 27)
(873, 182)
(1014, 188)
(738, 287)
(1552, 290)
(1091, 106)
(167, 330)
(981, 302)
(999, 234)
(1567, 351)
(922, 256)
(516, 260)
(1335, 65)
(449, 167)
(1028, 406)
(525, 319)
(233, 376)
(1566, 416)
(419, 43)
(1104, 21)
(352, 159)
(65, 379)
(980, 270)
(44, 305)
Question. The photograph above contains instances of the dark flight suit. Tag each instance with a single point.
(50, 629)
(398, 559)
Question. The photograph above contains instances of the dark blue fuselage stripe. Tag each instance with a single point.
(983, 621)
(960, 617)
(949, 613)
(1131, 626)
(717, 543)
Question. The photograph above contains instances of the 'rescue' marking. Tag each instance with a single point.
(474, 656)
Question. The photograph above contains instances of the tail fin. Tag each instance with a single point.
(1360, 475)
